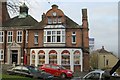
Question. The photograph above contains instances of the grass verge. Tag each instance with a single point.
(14, 77)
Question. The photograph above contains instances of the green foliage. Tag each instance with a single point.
(14, 77)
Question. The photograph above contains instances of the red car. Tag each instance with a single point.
(57, 70)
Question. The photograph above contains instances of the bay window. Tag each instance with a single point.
(54, 36)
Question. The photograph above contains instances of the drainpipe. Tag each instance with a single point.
(23, 51)
(5, 41)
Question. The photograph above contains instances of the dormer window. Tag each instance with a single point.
(59, 20)
(54, 20)
(49, 21)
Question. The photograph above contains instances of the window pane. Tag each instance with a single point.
(54, 20)
(10, 36)
(36, 38)
(53, 38)
(41, 59)
(19, 36)
(63, 38)
(48, 38)
(73, 38)
(49, 21)
(58, 32)
(59, 20)
(53, 32)
(65, 59)
(53, 59)
(48, 32)
(58, 38)
(1, 36)
(1, 54)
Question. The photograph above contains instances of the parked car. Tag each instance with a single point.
(97, 75)
(30, 71)
(57, 70)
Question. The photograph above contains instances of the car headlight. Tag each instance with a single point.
(50, 76)
(69, 72)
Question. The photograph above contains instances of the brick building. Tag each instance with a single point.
(55, 39)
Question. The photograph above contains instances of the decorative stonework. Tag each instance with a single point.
(14, 45)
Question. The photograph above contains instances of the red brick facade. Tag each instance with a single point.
(65, 23)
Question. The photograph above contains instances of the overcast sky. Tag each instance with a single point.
(102, 17)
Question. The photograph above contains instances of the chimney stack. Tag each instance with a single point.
(84, 18)
(84, 14)
(4, 15)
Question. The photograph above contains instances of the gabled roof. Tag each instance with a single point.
(19, 22)
(102, 50)
(69, 24)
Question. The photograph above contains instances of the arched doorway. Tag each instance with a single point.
(77, 65)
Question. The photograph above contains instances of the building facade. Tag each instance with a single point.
(56, 39)
(103, 59)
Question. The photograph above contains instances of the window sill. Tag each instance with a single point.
(73, 42)
(35, 44)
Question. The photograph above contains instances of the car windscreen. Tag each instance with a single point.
(61, 67)
(33, 69)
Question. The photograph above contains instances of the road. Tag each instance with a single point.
(74, 78)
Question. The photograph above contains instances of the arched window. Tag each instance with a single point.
(33, 57)
(53, 57)
(65, 57)
(41, 57)
(77, 57)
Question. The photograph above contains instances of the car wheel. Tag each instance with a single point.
(63, 75)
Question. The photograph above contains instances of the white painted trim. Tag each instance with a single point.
(7, 36)
(2, 36)
(59, 51)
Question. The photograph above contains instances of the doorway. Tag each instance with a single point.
(15, 56)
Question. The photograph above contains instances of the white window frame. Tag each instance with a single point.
(49, 21)
(59, 20)
(1, 54)
(54, 20)
(65, 61)
(35, 35)
(54, 59)
(41, 60)
(62, 36)
(77, 56)
(2, 36)
(20, 36)
(73, 35)
(10, 36)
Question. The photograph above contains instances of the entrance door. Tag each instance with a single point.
(14, 56)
